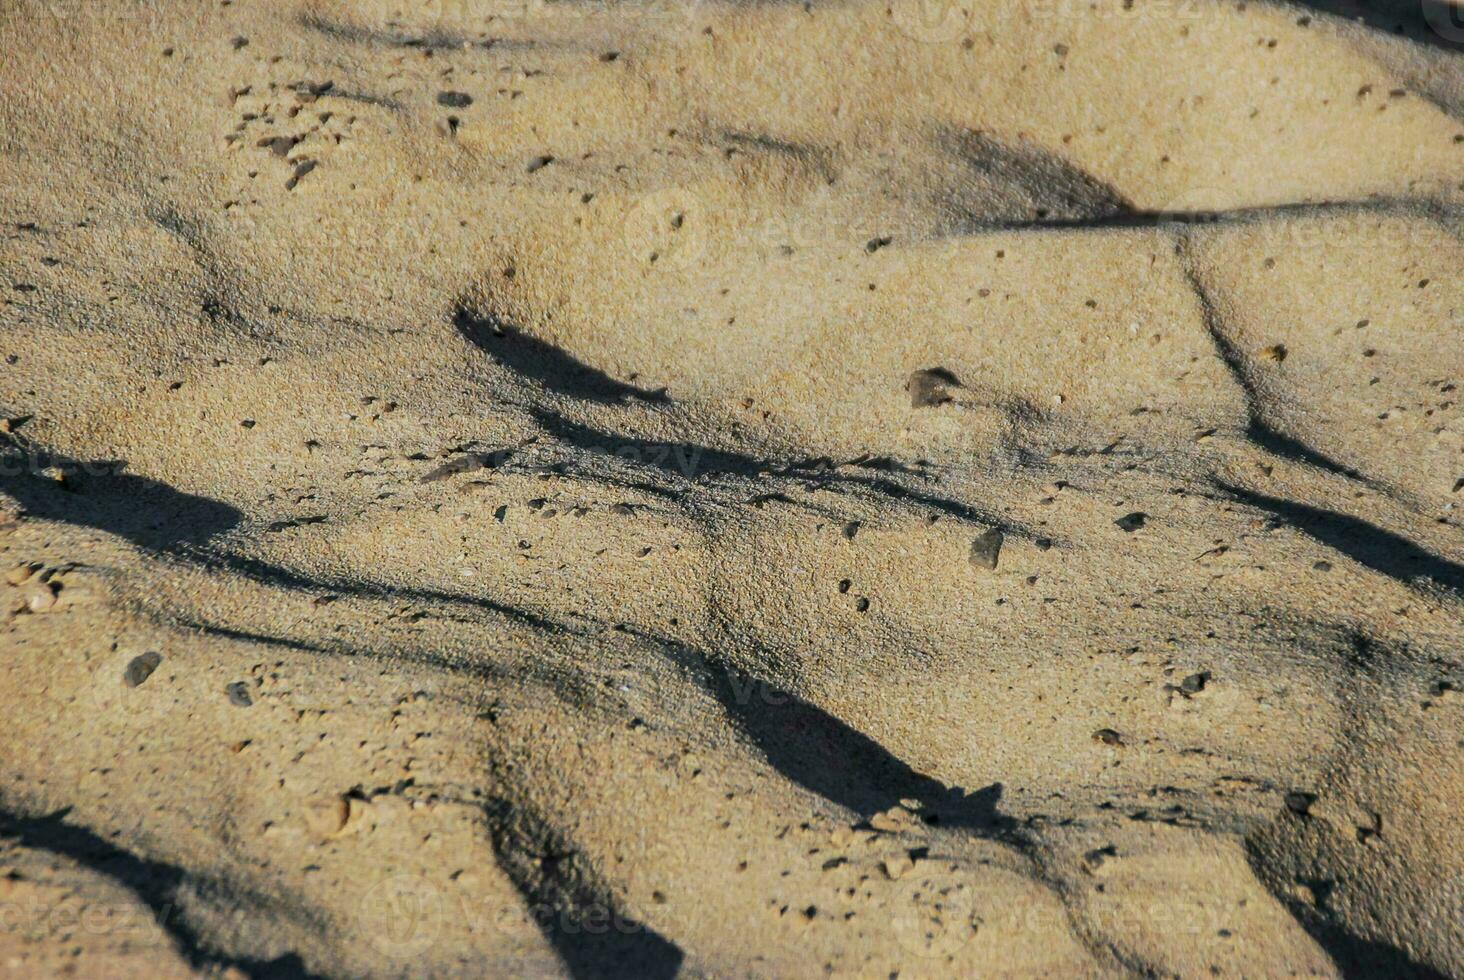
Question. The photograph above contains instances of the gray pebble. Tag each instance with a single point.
(1300, 803)
(927, 387)
(1195, 683)
(986, 549)
(1132, 522)
(141, 668)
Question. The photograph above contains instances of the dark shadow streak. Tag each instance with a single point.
(843, 765)
(954, 508)
(1258, 430)
(812, 157)
(1180, 221)
(593, 939)
(832, 759)
(1356, 957)
(98, 494)
(268, 573)
(156, 885)
(685, 460)
(156, 517)
(1035, 181)
(542, 362)
(1382, 551)
(691, 461)
(481, 672)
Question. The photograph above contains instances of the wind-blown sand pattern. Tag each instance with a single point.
(731, 489)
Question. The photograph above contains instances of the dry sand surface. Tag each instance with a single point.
(734, 489)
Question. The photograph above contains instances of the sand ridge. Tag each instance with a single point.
(722, 489)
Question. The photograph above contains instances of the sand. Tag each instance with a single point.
(736, 489)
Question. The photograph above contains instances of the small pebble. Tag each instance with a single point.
(325, 818)
(40, 596)
(1108, 736)
(238, 693)
(927, 387)
(896, 868)
(1300, 803)
(20, 573)
(1132, 522)
(1195, 683)
(986, 549)
(141, 668)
